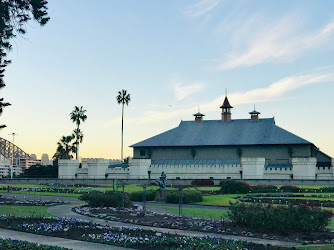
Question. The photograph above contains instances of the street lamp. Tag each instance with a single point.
(12, 163)
(144, 198)
(180, 200)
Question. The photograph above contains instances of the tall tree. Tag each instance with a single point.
(65, 148)
(2, 104)
(123, 98)
(78, 115)
(14, 14)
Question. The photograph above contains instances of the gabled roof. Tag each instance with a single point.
(218, 133)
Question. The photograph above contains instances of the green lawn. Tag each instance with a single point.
(316, 247)
(204, 188)
(218, 200)
(25, 210)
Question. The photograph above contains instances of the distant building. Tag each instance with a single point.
(45, 160)
(218, 149)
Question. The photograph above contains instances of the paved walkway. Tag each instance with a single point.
(54, 241)
(65, 211)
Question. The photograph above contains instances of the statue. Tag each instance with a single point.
(162, 181)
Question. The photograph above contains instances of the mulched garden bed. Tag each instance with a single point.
(152, 219)
(12, 201)
(122, 236)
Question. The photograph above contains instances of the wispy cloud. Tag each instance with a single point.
(275, 42)
(267, 94)
(273, 91)
(201, 8)
(182, 91)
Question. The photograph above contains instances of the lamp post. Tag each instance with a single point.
(144, 198)
(12, 163)
(180, 200)
(123, 198)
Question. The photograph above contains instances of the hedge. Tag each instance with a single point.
(280, 219)
(138, 196)
(107, 199)
(264, 189)
(234, 187)
(290, 188)
(188, 197)
(202, 182)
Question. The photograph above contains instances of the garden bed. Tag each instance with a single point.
(153, 219)
(291, 200)
(121, 236)
(10, 244)
(11, 201)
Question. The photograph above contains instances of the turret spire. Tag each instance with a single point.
(226, 110)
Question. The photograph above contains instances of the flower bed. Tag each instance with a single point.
(10, 244)
(121, 236)
(10, 201)
(153, 219)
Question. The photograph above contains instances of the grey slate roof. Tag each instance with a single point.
(233, 161)
(218, 133)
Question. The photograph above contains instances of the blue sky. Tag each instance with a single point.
(172, 57)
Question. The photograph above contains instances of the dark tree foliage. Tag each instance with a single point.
(65, 148)
(38, 171)
(14, 14)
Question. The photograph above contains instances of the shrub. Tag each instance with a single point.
(138, 196)
(107, 199)
(188, 197)
(326, 189)
(281, 219)
(263, 189)
(202, 182)
(234, 187)
(290, 188)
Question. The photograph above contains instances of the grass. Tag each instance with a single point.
(316, 247)
(217, 214)
(25, 210)
(218, 200)
(204, 188)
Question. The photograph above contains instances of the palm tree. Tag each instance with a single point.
(77, 116)
(123, 98)
(77, 133)
(65, 148)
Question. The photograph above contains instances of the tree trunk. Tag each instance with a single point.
(77, 144)
(122, 132)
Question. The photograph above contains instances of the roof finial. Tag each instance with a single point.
(225, 92)
(198, 109)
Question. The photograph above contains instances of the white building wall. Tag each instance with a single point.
(253, 168)
(304, 168)
(67, 168)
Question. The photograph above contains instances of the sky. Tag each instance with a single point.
(174, 57)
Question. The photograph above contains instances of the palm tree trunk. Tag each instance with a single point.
(122, 132)
(77, 144)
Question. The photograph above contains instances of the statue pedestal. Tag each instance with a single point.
(161, 195)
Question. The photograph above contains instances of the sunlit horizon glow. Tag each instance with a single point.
(173, 57)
